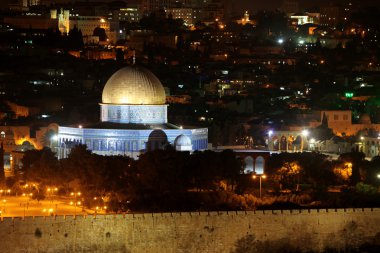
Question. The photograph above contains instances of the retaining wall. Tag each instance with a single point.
(254, 231)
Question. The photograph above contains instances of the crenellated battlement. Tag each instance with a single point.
(187, 214)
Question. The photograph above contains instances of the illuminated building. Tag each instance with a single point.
(149, 6)
(133, 120)
(305, 18)
(332, 15)
(186, 14)
(86, 24)
(245, 19)
(125, 14)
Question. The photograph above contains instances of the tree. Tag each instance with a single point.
(159, 180)
(230, 167)
(75, 39)
(357, 160)
(101, 33)
(85, 167)
(290, 169)
(42, 166)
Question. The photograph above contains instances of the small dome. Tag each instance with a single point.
(133, 86)
(182, 140)
(365, 119)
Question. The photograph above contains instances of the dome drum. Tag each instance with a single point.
(138, 114)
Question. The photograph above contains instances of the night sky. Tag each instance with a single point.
(254, 5)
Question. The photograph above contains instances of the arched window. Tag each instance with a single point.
(259, 165)
(2, 134)
(248, 164)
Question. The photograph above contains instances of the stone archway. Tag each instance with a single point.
(276, 143)
(157, 140)
(290, 140)
(283, 144)
(298, 143)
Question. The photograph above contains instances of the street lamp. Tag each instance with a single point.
(4, 202)
(51, 193)
(75, 195)
(260, 177)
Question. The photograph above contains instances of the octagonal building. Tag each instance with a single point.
(133, 119)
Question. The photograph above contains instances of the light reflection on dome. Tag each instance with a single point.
(134, 86)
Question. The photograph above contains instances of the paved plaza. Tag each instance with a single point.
(12, 206)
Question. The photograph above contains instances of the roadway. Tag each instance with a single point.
(12, 206)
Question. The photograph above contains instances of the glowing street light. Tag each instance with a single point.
(48, 211)
(260, 177)
(75, 195)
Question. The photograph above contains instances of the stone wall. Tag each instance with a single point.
(235, 232)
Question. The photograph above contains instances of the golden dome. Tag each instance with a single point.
(133, 86)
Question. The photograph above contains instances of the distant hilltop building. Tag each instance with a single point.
(245, 19)
(133, 120)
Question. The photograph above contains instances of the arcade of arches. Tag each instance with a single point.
(287, 141)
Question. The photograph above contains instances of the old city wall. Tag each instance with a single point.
(264, 231)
